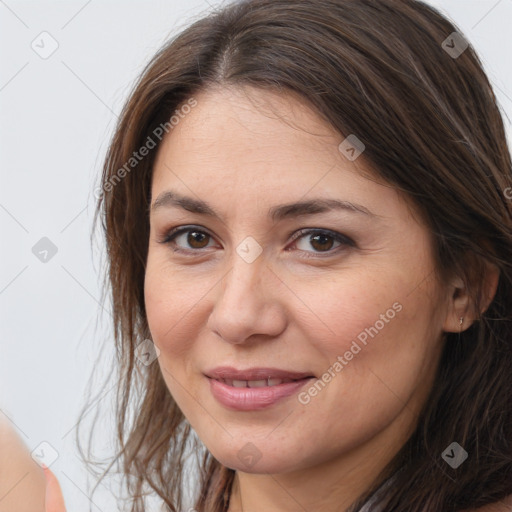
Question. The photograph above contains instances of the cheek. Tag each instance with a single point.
(171, 301)
(171, 306)
(376, 342)
(356, 309)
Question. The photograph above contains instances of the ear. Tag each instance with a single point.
(459, 303)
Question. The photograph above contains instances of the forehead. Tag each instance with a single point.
(249, 122)
(260, 148)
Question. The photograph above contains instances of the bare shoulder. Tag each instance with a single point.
(22, 482)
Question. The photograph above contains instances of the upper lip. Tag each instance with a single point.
(228, 372)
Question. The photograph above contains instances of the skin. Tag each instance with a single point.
(22, 483)
(208, 306)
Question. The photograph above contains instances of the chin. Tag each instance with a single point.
(249, 459)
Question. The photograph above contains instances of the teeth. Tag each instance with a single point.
(257, 383)
(275, 382)
(254, 383)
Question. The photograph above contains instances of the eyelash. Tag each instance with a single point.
(338, 237)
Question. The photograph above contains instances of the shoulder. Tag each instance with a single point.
(22, 481)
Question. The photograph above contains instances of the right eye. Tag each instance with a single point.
(194, 238)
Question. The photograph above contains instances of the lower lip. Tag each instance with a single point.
(253, 399)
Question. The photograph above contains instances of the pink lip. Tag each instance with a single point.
(251, 399)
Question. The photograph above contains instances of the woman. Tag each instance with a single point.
(308, 220)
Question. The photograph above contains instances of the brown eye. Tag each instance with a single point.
(190, 239)
(196, 239)
(321, 241)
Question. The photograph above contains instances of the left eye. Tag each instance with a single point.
(321, 240)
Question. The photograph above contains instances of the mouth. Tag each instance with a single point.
(264, 383)
(255, 377)
(249, 390)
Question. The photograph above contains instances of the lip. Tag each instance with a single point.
(229, 372)
(253, 399)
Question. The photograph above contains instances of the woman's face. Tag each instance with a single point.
(243, 288)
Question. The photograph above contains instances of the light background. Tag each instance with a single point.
(57, 115)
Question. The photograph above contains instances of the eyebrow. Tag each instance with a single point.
(171, 199)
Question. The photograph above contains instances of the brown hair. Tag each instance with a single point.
(432, 129)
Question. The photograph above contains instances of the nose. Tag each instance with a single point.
(247, 303)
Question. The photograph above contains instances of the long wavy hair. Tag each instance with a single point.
(432, 128)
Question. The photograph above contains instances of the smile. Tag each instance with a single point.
(253, 395)
(255, 383)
